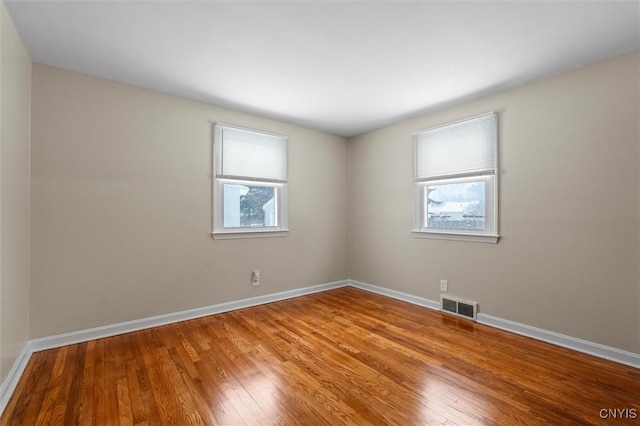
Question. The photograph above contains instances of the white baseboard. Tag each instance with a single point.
(415, 300)
(35, 345)
(601, 351)
(9, 384)
(79, 336)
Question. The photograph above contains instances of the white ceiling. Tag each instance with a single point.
(344, 67)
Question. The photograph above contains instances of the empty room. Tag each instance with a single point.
(319, 212)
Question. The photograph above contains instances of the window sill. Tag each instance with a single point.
(476, 238)
(249, 234)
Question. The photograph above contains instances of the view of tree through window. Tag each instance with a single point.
(255, 206)
(249, 206)
(455, 205)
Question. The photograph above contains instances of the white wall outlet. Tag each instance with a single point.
(255, 278)
(444, 286)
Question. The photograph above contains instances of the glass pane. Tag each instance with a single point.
(249, 206)
(455, 205)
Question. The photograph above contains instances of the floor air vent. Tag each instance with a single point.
(461, 308)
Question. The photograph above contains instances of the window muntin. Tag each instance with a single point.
(250, 183)
(455, 180)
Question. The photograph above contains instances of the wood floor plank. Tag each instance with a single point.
(84, 404)
(138, 366)
(344, 356)
(212, 384)
(47, 413)
(33, 387)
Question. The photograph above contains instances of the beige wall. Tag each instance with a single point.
(121, 207)
(15, 89)
(569, 209)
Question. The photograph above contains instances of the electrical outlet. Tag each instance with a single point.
(255, 278)
(444, 286)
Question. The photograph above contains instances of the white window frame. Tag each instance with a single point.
(490, 178)
(280, 186)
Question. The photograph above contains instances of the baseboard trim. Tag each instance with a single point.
(80, 336)
(9, 384)
(7, 387)
(35, 345)
(601, 351)
(415, 300)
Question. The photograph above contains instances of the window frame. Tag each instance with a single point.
(420, 228)
(280, 186)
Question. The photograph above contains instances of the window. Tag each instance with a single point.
(250, 183)
(456, 181)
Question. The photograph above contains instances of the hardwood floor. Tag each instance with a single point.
(344, 356)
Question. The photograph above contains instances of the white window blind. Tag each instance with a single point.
(247, 154)
(466, 148)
